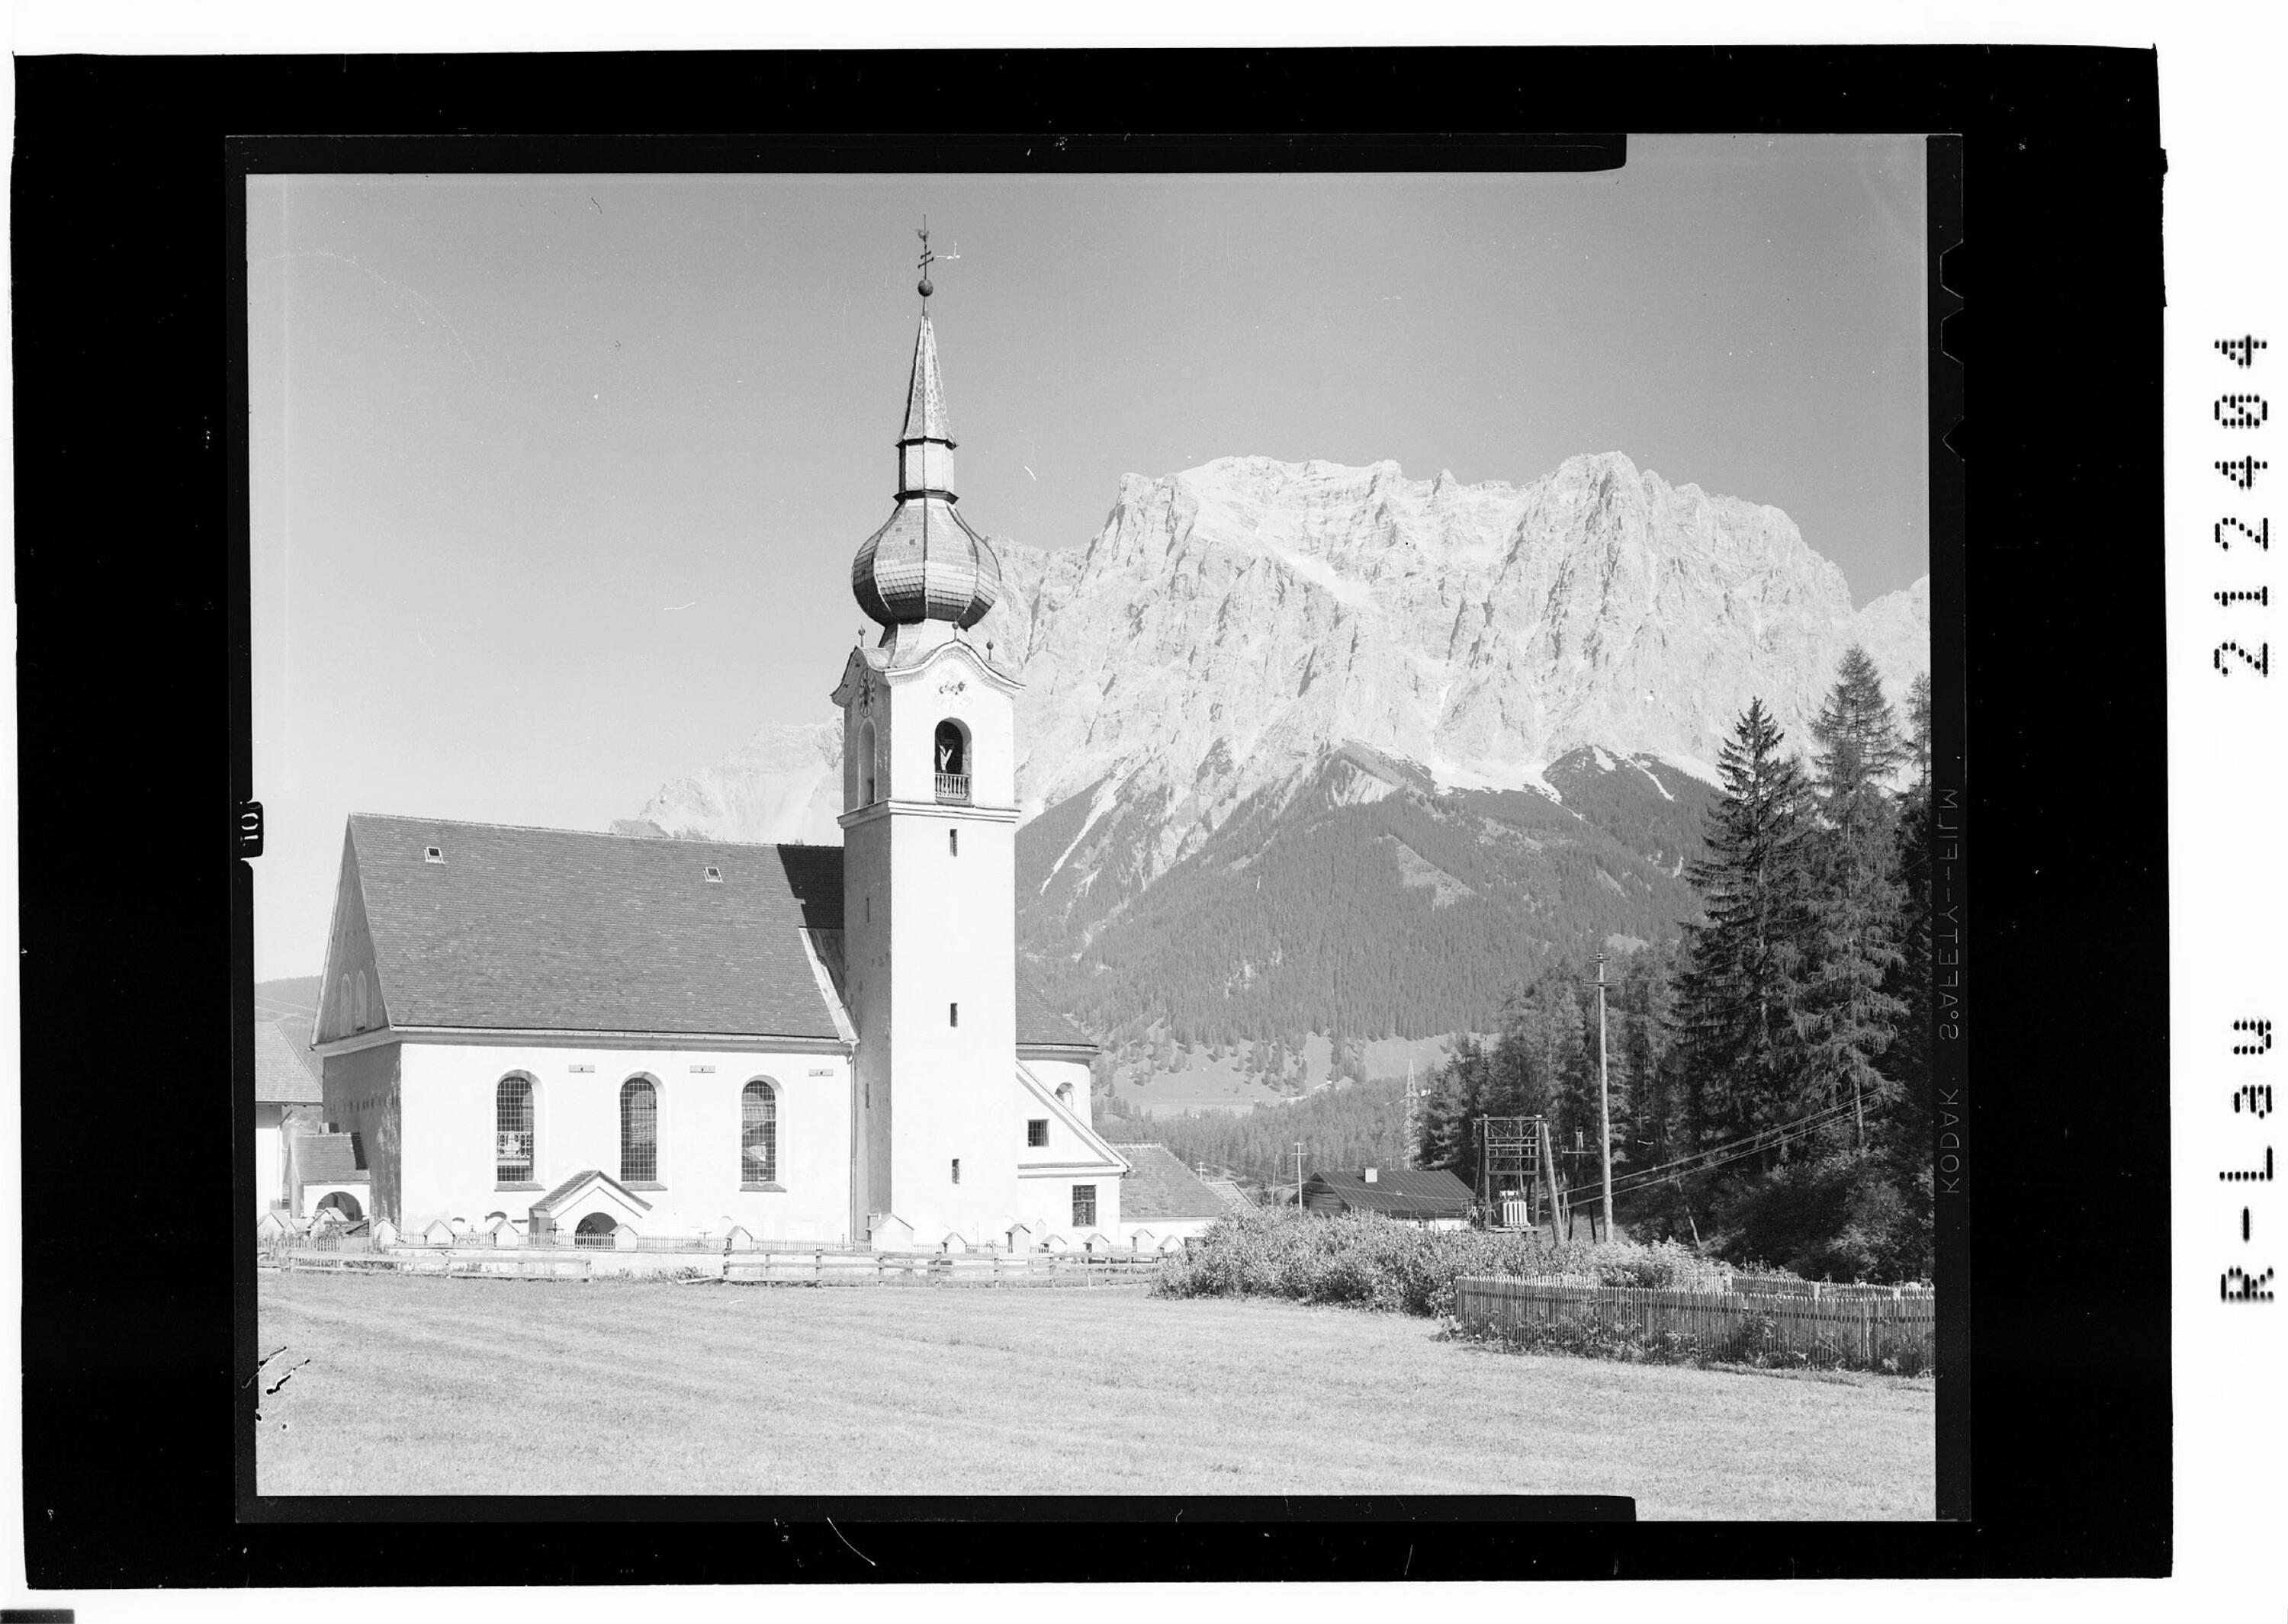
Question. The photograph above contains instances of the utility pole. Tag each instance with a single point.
(1406, 1151)
(1604, 1101)
(1298, 1177)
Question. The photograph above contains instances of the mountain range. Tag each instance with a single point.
(1314, 747)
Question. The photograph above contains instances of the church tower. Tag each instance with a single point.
(929, 856)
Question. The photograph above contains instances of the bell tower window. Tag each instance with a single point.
(865, 763)
(951, 749)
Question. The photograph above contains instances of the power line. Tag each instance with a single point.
(1702, 1164)
(1724, 1160)
(1785, 1133)
(1751, 1139)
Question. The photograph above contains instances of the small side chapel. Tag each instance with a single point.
(584, 1033)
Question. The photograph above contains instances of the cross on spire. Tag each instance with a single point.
(924, 263)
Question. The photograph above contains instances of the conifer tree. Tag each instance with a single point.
(1560, 1035)
(1848, 1016)
(1903, 1138)
(1737, 993)
(1457, 1094)
(1639, 1049)
(1910, 981)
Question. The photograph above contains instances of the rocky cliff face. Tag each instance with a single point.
(783, 784)
(1233, 624)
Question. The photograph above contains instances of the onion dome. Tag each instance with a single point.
(925, 564)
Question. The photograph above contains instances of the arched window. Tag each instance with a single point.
(595, 1230)
(343, 1202)
(952, 754)
(866, 764)
(512, 1131)
(638, 1132)
(952, 747)
(759, 1134)
(1064, 1093)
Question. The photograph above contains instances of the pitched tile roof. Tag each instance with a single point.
(565, 929)
(1399, 1193)
(561, 930)
(580, 1181)
(1228, 1191)
(328, 1159)
(285, 1072)
(1158, 1185)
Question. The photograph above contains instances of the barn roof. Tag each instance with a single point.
(1398, 1193)
(1158, 1185)
(561, 930)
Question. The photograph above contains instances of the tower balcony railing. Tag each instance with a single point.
(953, 789)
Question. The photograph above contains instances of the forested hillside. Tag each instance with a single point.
(1361, 1125)
(1362, 902)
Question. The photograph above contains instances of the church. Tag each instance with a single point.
(584, 1033)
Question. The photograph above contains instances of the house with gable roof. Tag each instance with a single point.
(287, 1097)
(1432, 1197)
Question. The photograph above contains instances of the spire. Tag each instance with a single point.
(924, 393)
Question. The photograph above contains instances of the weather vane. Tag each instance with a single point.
(923, 264)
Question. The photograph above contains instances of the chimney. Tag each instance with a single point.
(1370, 1176)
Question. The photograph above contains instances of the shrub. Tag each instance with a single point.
(1754, 1341)
(1371, 1262)
(1587, 1337)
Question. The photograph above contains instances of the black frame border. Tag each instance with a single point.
(131, 452)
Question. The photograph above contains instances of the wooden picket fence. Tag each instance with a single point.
(1865, 1332)
(1823, 1291)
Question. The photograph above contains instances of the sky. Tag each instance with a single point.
(556, 479)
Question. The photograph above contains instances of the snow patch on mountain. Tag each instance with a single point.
(1690, 765)
(1654, 777)
(1107, 797)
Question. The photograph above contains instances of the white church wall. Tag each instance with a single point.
(1073, 1074)
(952, 687)
(269, 1162)
(953, 937)
(866, 912)
(450, 1131)
(362, 1090)
(1047, 1204)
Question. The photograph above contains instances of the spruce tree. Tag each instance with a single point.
(1738, 990)
(1562, 1040)
(1639, 1009)
(1847, 1017)
(1449, 1113)
(1902, 1140)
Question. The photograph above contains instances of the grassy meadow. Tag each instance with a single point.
(422, 1385)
